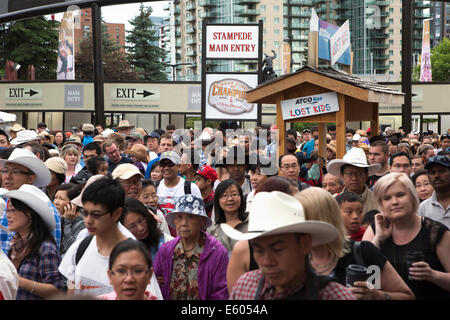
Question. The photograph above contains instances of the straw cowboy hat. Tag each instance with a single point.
(139, 152)
(124, 124)
(25, 136)
(37, 200)
(27, 159)
(332, 146)
(45, 134)
(355, 157)
(16, 128)
(274, 213)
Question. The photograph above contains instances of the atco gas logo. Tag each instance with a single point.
(308, 100)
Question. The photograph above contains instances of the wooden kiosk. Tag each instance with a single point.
(358, 101)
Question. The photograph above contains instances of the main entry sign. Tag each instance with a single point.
(232, 42)
(309, 105)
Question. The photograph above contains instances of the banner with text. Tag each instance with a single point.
(425, 65)
(232, 42)
(309, 106)
(326, 32)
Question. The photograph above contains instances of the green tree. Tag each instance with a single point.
(32, 42)
(144, 54)
(440, 61)
(115, 67)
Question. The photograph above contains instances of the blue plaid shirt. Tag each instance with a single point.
(43, 268)
(5, 237)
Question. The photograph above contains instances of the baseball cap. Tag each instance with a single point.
(154, 134)
(441, 159)
(125, 171)
(170, 155)
(207, 172)
(134, 136)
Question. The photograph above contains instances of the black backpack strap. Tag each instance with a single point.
(187, 187)
(82, 248)
(358, 253)
(157, 184)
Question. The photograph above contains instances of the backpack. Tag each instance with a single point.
(82, 248)
(187, 186)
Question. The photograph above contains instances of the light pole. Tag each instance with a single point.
(174, 66)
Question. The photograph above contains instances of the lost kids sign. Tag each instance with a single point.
(232, 42)
(309, 106)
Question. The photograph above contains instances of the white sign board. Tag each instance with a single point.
(232, 42)
(226, 96)
(339, 42)
(309, 106)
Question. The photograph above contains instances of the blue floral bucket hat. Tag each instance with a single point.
(192, 205)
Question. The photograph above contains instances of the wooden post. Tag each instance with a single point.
(281, 125)
(374, 123)
(313, 47)
(323, 139)
(340, 127)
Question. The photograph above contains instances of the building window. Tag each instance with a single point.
(276, 32)
(262, 7)
(276, 44)
(276, 20)
(276, 8)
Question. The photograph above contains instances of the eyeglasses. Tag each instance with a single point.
(16, 172)
(129, 183)
(94, 214)
(287, 166)
(405, 166)
(140, 222)
(137, 272)
(233, 195)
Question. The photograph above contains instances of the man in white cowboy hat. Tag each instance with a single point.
(354, 171)
(23, 167)
(124, 127)
(25, 136)
(282, 238)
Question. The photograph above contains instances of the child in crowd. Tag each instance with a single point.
(97, 165)
(149, 198)
(351, 207)
(156, 172)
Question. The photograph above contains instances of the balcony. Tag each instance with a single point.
(378, 46)
(247, 2)
(380, 56)
(422, 4)
(178, 43)
(190, 6)
(191, 53)
(342, 6)
(190, 18)
(190, 42)
(421, 15)
(208, 15)
(299, 37)
(302, 14)
(381, 66)
(299, 2)
(321, 9)
(343, 16)
(247, 12)
(207, 3)
(377, 3)
(190, 29)
(381, 35)
(298, 26)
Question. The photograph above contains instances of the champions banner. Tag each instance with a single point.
(425, 66)
(66, 56)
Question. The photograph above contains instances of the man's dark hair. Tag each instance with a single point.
(399, 154)
(167, 136)
(394, 140)
(348, 197)
(3, 133)
(331, 128)
(93, 146)
(382, 144)
(350, 130)
(170, 126)
(291, 132)
(130, 245)
(160, 131)
(105, 192)
(315, 129)
(36, 147)
(369, 216)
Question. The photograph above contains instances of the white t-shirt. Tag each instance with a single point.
(9, 281)
(90, 275)
(84, 233)
(167, 197)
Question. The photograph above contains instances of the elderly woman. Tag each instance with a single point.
(422, 183)
(229, 208)
(71, 154)
(129, 272)
(399, 232)
(33, 250)
(333, 258)
(193, 265)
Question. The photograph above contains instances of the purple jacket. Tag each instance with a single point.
(212, 269)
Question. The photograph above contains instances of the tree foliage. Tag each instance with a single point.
(440, 61)
(115, 66)
(144, 53)
(32, 42)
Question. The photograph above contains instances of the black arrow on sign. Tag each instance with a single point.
(31, 92)
(145, 93)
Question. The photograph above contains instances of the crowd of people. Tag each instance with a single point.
(175, 214)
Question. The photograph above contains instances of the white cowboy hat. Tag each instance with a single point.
(27, 159)
(25, 136)
(355, 157)
(36, 199)
(274, 213)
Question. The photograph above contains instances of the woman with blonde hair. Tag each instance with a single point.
(71, 154)
(400, 233)
(333, 258)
